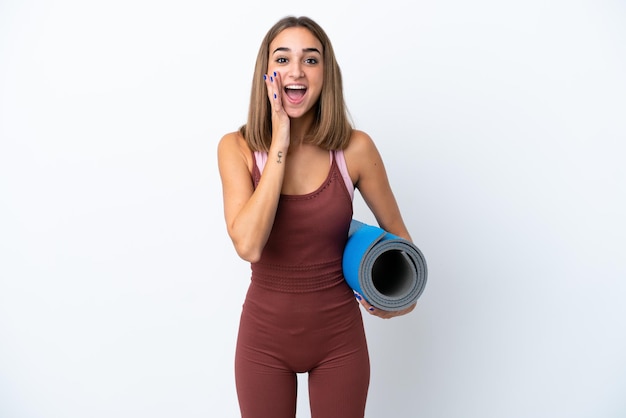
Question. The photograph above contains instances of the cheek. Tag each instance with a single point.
(318, 81)
(317, 77)
(271, 69)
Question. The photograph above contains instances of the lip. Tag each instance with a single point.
(295, 101)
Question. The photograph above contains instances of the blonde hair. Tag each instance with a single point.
(331, 126)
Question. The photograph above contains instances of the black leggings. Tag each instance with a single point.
(319, 332)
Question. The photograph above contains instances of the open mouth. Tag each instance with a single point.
(295, 92)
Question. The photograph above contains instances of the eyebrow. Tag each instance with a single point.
(282, 48)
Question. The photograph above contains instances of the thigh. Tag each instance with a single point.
(265, 388)
(338, 386)
(266, 385)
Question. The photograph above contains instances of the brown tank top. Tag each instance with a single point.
(305, 247)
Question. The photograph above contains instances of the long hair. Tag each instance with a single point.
(331, 126)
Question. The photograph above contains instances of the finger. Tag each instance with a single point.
(366, 304)
(277, 83)
(269, 84)
(362, 300)
(392, 314)
(381, 313)
(272, 82)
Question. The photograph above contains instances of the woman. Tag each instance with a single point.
(288, 177)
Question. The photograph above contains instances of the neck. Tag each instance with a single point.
(299, 128)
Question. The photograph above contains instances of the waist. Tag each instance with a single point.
(297, 278)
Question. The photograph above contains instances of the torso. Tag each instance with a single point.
(305, 246)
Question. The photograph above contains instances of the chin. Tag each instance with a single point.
(295, 114)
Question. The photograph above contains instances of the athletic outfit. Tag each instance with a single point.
(299, 314)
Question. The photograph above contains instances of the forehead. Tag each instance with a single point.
(295, 39)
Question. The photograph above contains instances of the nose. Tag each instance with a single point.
(295, 70)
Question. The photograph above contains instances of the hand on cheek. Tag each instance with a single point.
(280, 119)
(274, 88)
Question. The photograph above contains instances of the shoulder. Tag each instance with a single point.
(232, 140)
(358, 138)
(361, 148)
(361, 155)
(360, 143)
(232, 147)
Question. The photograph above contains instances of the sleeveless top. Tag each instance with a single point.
(305, 248)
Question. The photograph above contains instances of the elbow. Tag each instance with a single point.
(251, 257)
(248, 252)
(248, 244)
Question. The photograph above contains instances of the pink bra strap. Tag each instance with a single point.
(343, 169)
(261, 159)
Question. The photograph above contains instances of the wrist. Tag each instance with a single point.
(277, 154)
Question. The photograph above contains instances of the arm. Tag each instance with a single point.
(250, 212)
(368, 173)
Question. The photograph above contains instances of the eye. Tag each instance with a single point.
(311, 61)
(281, 60)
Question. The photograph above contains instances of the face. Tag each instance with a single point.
(297, 55)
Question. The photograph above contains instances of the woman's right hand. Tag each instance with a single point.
(250, 210)
(280, 119)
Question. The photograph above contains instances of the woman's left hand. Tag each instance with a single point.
(381, 313)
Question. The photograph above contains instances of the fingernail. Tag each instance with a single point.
(272, 79)
(274, 73)
(264, 77)
(357, 296)
(371, 309)
(274, 95)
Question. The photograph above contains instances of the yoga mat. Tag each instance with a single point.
(388, 271)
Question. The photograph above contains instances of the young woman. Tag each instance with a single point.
(288, 178)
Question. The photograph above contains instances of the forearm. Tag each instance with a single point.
(251, 227)
(396, 227)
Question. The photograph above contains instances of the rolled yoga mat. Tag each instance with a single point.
(388, 271)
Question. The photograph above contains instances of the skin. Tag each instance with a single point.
(294, 167)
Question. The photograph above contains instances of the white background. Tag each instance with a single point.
(502, 128)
